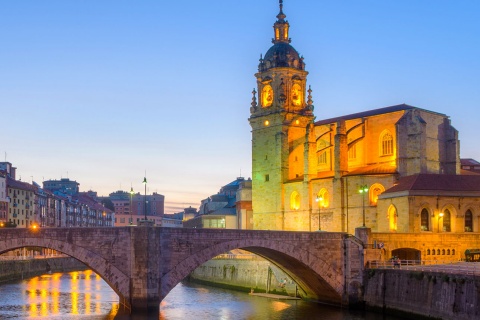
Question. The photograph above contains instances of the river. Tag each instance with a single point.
(84, 295)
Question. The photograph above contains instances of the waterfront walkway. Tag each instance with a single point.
(459, 267)
(274, 296)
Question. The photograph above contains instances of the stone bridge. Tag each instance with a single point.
(142, 264)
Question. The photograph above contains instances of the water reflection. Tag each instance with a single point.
(84, 295)
(74, 295)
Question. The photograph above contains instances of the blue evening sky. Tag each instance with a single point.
(100, 91)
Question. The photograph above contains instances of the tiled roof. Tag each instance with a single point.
(11, 183)
(384, 168)
(437, 182)
(469, 162)
(368, 113)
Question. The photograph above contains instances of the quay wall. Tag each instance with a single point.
(429, 294)
(245, 275)
(21, 269)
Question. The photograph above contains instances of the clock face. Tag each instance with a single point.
(267, 96)
(297, 95)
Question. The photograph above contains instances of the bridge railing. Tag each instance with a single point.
(457, 267)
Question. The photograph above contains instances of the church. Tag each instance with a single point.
(393, 169)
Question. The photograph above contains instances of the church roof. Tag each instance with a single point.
(437, 182)
(383, 168)
(369, 113)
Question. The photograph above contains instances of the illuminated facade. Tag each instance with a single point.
(307, 174)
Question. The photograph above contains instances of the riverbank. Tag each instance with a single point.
(19, 269)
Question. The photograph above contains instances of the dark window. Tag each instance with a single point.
(446, 221)
(468, 221)
(424, 220)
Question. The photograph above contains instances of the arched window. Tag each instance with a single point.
(433, 252)
(446, 221)
(443, 252)
(448, 252)
(375, 190)
(453, 251)
(386, 143)
(295, 200)
(468, 221)
(424, 219)
(428, 252)
(438, 252)
(323, 198)
(392, 216)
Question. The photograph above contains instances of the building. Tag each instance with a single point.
(329, 174)
(132, 207)
(470, 165)
(228, 209)
(64, 185)
(3, 197)
(21, 207)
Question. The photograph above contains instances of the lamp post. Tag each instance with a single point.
(440, 215)
(363, 190)
(145, 204)
(131, 211)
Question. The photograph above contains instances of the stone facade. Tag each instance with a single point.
(306, 174)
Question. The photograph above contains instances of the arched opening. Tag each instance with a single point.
(295, 200)
(375, 190)
(424, 220)
(468, 221)
(446, 220)
(408, 254)
(386, 143)
(392, 218)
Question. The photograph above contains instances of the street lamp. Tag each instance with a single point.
(145, 204)
(440, 215)
(131, 211)
(363, 190)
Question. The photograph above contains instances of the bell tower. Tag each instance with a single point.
(283, 139)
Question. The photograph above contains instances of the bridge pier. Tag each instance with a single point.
(145, 269)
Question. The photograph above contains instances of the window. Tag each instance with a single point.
(352, 152)
(267, 177)
(392, 216)
(386, 143)
(322, 158)
(424, 225)
(468, 221)
(295, 200)
(446, 221)
(323, 198)
(375, 190)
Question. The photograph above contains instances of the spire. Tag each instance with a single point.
(281, 27)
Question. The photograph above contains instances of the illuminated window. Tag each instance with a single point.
(375, 190)
(424, 219)
(386, 144)
(296, 94)
(322, 158)
(267, 96)
(468, 221)
(295, 200)
(352, 152)
(323, 198)
(392, 216)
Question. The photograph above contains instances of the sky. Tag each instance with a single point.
(104, 92)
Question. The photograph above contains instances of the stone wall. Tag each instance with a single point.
(427, 294)
(245, 275)
(21, 269)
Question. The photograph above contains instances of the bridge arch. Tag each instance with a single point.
(311, 271)
(115, 278)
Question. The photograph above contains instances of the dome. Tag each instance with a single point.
(281, 54)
